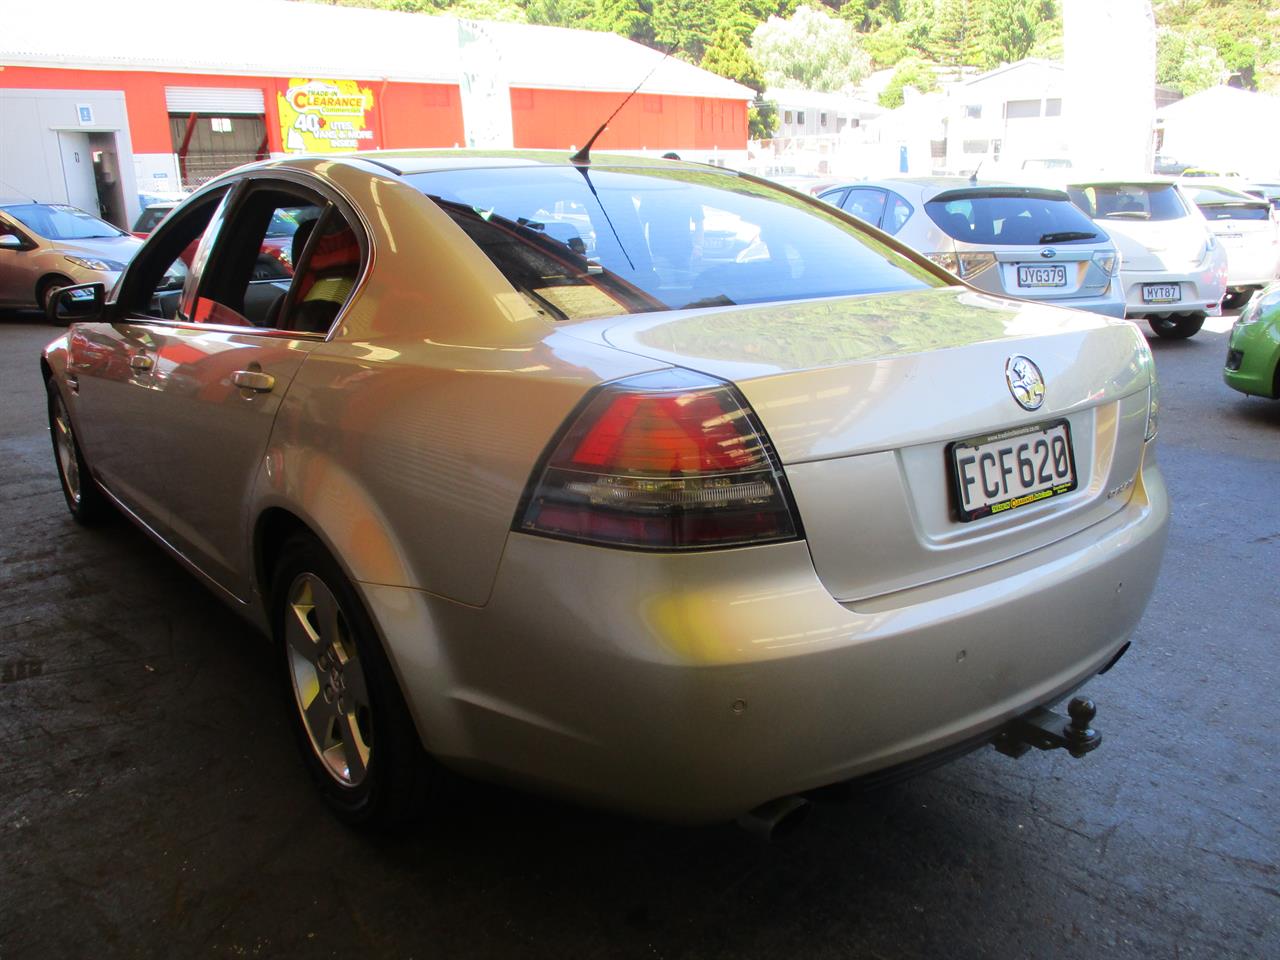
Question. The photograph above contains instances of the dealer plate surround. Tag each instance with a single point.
(1000, 472)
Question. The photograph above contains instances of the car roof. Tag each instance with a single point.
(1142, 180)
(404, 162)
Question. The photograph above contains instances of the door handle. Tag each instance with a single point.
(254, 380)
(141, 362)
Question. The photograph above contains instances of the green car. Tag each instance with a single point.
(1253, 356)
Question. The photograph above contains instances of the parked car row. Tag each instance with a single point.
(1153, 248)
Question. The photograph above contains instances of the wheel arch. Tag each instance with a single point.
(45, 281)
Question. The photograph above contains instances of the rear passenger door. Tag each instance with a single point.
(272, 279)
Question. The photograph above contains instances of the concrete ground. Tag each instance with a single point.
(151, 803)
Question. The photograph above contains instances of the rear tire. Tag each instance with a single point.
(349, 718)
(1236, 298)
(1178, 326)
(84, 499)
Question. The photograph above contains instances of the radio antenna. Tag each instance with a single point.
(583, 156)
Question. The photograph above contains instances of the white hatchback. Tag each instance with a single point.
(1247, 228)
(1172, 269)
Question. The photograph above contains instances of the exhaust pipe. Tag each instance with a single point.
(776, 818)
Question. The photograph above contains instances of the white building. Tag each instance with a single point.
(1007, 116)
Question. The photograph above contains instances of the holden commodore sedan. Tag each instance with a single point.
(524, 483)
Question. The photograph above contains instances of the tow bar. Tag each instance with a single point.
(1046, 730)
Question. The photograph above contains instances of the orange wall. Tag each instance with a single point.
(558, 119)
(409, 114)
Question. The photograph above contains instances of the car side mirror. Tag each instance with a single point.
(82, 302)
(10, 242)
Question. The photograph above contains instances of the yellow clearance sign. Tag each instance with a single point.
(325, 116)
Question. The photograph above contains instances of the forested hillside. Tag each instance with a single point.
(835, 44)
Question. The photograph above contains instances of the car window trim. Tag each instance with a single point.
(330, 192)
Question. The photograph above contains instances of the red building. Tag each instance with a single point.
(125, 108)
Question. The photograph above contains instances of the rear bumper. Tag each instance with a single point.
(1253, 356)
(1201, 291)
(695, 687)
(1252, 265)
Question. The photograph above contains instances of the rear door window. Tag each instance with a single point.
(834, 197)
(865, 203)
(897, 213)
(286, 259)
(1011, 216)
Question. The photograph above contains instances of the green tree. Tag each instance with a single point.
(762, 119)
(1187, 61)
(684, 26)
(632, 19)
(812, 50)
(889, 44)
(955, 36)
(910, 73)
(728, 56)
(1009, 30)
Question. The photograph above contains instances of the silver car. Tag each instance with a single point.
(512, 470)
(46, 246)
(1011, 240)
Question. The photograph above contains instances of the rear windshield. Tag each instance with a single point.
(598, 242)
(1129, 201)
(57, 221)
(1219, 204)
(148, 219)
(1010, 217)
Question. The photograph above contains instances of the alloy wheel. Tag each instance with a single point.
(64, 442)
(328, 680)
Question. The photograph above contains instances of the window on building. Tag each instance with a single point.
(977, 146)
(1021, 109)
(1053, 107)
(973, 111)
(786, 116)
(799, 116)
(822, 119)
(995, 149)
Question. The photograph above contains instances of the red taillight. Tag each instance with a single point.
(666, 461)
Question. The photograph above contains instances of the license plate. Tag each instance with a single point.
(1001, 472)
(1042, 276)
(1161, 293)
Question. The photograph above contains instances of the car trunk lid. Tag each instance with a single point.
(863, 399)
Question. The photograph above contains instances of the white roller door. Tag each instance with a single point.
(219, 100)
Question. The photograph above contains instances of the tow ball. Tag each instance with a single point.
(1046, 730)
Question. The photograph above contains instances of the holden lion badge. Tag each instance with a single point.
(1026, 383)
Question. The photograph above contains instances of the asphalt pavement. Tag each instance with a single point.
(151, 803)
